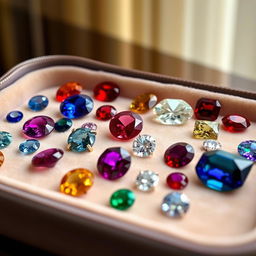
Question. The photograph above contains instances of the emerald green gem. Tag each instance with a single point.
(63, 124)
(122, 199)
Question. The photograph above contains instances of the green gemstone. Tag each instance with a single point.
(122, 199)
(63, 125)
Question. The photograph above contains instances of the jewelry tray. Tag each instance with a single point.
(34, 211)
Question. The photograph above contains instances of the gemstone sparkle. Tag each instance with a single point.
(63, 125)
(235, 123)
(210, 145)
(177, 180)
(106, 91)
(90, 126)
(29, 146)
(122, 199)
(146, 180)
(14, 116)
(105, 112)
(206, 130)
(67, 90)
(247, 149)
(144, 146)
(38, 103)
(143, 103)
(5, 139)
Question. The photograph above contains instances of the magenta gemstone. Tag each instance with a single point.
(114, 163)
(47, 158)
(38, 126)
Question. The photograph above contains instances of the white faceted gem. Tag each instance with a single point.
(144, 146)
(172, 112)
(175, 204)
(211, 145)
(147, 180)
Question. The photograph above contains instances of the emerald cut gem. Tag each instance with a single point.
(122, 199)
(223, 171)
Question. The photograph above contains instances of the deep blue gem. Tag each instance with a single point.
(63, 124)
(38, 103)
(223, 171)
(14, 116)
(76, 106)
(29, 146)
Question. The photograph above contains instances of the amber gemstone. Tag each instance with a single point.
(77, 182)
(67, 90)
(206, 130)
(143, 103)
(235, 123)
(1, 158)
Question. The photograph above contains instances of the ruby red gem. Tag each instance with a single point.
(107, 91)
(235, 123)
(67, 90)
(179, 154)
(125, 125)
(207, 109)
(105, 112)
(177, 180)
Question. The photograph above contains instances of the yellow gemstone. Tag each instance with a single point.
(1, 158)
(77, 182)
(143, 103)
(206, 130)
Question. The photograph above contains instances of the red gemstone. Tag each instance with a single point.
(177, 180)
(207, 109)
(106, 91)
(67, 90)
(179, 154)
(125, 125)
(235, 123)
(105, 112)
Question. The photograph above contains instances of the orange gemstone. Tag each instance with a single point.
(143, 103)
(77, 182)
(1, 158)
(67, 90)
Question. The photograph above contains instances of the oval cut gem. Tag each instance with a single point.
(177, 180)
(14, 116)
(63, 125)
(122, 199)
(29, 146)
(67, 90)
(38, 103)
(143, 103)
(105, 112)
(90, 126)
(247, 149)
(106, 91)
(235, 123)
(5, 139)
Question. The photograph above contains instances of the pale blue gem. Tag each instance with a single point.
(29, 146)
(5, 139)
(38, 103)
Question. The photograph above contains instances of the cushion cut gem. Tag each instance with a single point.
(5, 139)
(177, 180)
(29, 146)
(146, 180)
(67, 90)
(247, 149)
(122, 199)
(106, 91)
(235, 123)
(105, 112)
(14, 116)
(206, 130)
(143, 103)
(144, 146)
(223, 171)
(63, 125)
(38, 103)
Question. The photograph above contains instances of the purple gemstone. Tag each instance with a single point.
(114, 163)
(47, 158)
(38, 126)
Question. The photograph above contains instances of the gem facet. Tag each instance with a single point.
(76, 106)
(211, 145)
(81, 140)
(105, 112)
(175, 205)
(146, 180)
(63, 125)
(5, 139)
(206, 130)
(106, 91)
(47, 158)
(14, 116)
(122, 199)
(143, 103)
(38, 126)
(223, 171)
(177, 180)
(125, 125)
(207, 109)
(247, 149)
(29, 146)
(90, 126)
(38, 103)
(235, 123)
(67, 90)
(1, 158)
(144, 146)
(172, 112)
(179, 154)
(114, 163)
(77, 182)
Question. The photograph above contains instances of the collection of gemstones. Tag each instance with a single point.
(217, 169)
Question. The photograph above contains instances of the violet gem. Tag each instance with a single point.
(114, 163)
(38, 126)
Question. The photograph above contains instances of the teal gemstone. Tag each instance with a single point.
(223, 171)
(63, 125)
(29, 146)
(82, 139)
(5, 139)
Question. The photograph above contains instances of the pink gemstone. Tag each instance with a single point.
(125, 125)
(89, 125)
(47, 158)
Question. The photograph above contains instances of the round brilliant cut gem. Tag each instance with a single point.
(38, 103)
(247, 149)
(29, 146)
(175, 205)
(5, 139)
(235, 123)
(76, 106)
(172, 112)
(90, 126)
(143, 103)
(106, 91)
(105, 112)
(67, 90)
(144, 146)
(211, 145)
(122, 199)
(125, 125)
(63, 125)
(177, 180)
(14, 116)
(77, 182)
(146, 180)
(1, 158)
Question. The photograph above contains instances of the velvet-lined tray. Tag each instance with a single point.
(215, 223)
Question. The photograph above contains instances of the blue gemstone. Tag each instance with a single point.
(247, 149)
(14, 116)
(29, 146)
(63, 124)
(5, 139)
(82, 139)
(76, 106)
(38, 103)
(223, 171)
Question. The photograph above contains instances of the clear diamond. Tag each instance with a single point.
(144, 146)
(211, 145)
(172, 111)
(147, 180)
(175, 204)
